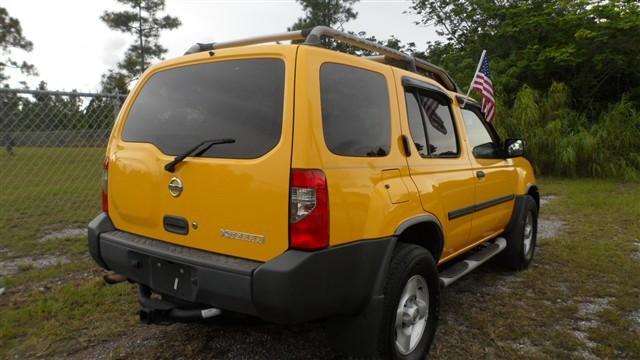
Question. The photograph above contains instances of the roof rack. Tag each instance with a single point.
(314, 36)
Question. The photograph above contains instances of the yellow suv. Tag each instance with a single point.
(295, 183)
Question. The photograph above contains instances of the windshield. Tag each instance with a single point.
(239, 99)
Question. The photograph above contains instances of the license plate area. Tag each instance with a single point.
(171, 278)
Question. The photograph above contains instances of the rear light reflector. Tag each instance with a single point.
(309, 210)
(105, 184)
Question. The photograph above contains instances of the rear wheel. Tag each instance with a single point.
(410, 314)
(522, 238)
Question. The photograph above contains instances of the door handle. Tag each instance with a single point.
(480, 174)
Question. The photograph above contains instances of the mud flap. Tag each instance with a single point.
(358, 335)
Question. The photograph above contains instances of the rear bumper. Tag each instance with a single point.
(294, 287)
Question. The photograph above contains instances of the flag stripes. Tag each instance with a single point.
(483, 84)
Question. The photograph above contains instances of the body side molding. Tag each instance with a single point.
(481, 206)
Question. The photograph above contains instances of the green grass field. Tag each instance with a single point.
(46, 189)
(580, 299)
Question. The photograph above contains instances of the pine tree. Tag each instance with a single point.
(11, 38)
(145, 23)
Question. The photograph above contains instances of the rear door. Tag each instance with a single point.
(438, 164)
(234, 197)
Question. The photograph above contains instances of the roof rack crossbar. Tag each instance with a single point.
(314, 36)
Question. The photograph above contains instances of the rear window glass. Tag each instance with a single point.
(239, 99)
(355, 111)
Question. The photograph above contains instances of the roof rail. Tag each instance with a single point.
(314, 36)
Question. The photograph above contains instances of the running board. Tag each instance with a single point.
(464, 267)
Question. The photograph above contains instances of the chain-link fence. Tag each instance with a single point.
(51, 153)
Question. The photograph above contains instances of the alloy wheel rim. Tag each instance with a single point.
(528, 235)
(412, 314)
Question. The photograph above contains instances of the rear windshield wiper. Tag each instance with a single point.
(196, 151)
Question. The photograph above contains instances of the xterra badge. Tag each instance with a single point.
(256, 239)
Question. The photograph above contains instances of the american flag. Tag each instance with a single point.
(482, 83)
(430, 107)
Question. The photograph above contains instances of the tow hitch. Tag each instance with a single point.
(114, 278)
(157, 311)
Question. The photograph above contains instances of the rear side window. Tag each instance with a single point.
(415, 124)
(355, 111)
(441, 133)
(431, 126)
(239, 99)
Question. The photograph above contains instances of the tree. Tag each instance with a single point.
(145, 22)
(114, 82)
(333, 13)
(11, 37)
(591, 46)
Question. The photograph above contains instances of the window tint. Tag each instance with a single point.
(239, 99)
(478, 133)
(441, 132)
(355, 111)
(415, 124)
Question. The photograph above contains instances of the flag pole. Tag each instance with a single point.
(464, 102)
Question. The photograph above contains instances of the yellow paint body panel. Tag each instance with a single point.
(360, 188)
(244, 195)
(369, 197)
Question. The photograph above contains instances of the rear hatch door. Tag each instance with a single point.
(233, 199)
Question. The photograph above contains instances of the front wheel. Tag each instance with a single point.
(522, 238)
(412, 295)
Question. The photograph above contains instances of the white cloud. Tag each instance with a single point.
(113, 51)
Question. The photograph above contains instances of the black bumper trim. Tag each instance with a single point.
(294, 287)
(298, 286)
(101, 223)
(181, 254)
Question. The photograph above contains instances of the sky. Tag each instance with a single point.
(73, 47)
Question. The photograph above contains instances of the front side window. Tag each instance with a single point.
(355, 111)
(480, 139)
(239, 99)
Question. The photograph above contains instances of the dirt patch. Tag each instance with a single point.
(234, 338)
(590, 307)
(548, 229)
(14, 266)
(64, 234)
(525, 347)
(635, 318)
(544, 200)
(635, 255)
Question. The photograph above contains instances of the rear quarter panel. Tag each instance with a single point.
(361, 207)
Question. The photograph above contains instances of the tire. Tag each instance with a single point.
(522, 238)
(412, 275)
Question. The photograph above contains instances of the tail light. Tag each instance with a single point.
(105, 183)
(309, 210)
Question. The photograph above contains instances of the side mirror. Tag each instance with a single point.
(514, 148)
(486, 151)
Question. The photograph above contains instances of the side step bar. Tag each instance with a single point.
(464, 267)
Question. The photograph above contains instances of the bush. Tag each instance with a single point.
(563, 142)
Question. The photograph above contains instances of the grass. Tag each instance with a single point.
(539, 313)
(575, 301)
(44, 190)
